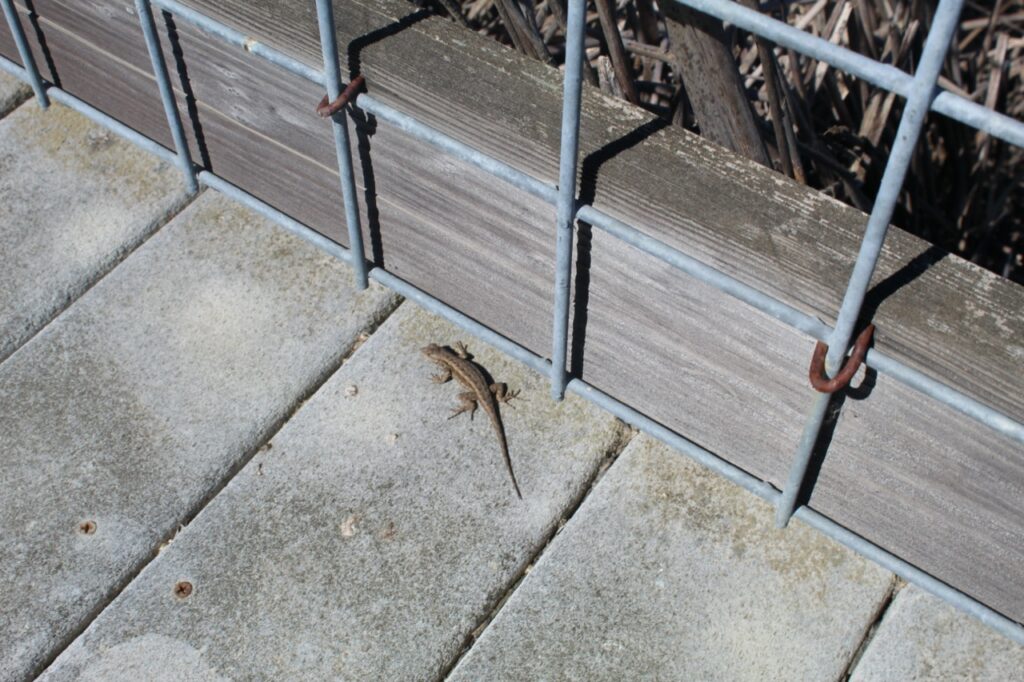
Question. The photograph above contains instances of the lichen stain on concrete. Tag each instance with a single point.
(81, 147)
(282, 252)
(151, 657)
(679, 492)
(806, 557)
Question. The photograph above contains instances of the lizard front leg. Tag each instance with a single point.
(467, 403)
(460, 349)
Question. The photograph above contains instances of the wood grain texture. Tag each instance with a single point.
(902, 470)
(896, 459)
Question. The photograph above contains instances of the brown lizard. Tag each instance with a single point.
(458, 362)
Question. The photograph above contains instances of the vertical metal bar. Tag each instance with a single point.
(339, 123)
(163, 80)
(27, 60)
(567, 193)
(921, 94)
(786, 503)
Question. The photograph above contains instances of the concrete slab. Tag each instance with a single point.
(668, 572)
(367, 541)
(924, 638)
(74, 199)
(12, 92)
(123, 416)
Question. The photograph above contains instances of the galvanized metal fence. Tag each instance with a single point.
(920, 91)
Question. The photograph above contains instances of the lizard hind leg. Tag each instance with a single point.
(467, 403)
(502, 394)
(441, 377)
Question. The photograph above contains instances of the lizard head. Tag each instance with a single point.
(431, 350)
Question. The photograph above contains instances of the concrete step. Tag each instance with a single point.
(124, 416)
(668, 572)
(12, 92)
(74, 199)
(367, 541)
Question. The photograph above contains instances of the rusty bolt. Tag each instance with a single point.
(87, 527)
(182, 589)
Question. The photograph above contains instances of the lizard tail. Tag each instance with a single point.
(508, 463)
(514, 483)
(499, 429)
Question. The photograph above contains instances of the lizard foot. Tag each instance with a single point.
(502, 394)
(461, 350)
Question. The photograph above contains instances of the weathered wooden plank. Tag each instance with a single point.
(690, 357)
(305, 136)
(897, 461)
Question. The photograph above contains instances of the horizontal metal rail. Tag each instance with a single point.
(808, 324)
(885, 76)
(239, 39)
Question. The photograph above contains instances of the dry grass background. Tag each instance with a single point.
(965, 190)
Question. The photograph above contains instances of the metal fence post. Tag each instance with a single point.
(922, 92)
(25, 52)
(163, 80)
(339, 123)
(571, 93)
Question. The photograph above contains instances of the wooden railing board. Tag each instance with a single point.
(925, 482)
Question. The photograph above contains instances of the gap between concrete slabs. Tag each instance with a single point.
(668, 571)
(74, 201)
(122, 417)
(923, 638)
(366, 540)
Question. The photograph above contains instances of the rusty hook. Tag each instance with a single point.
(820, 380)
(326, 109)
